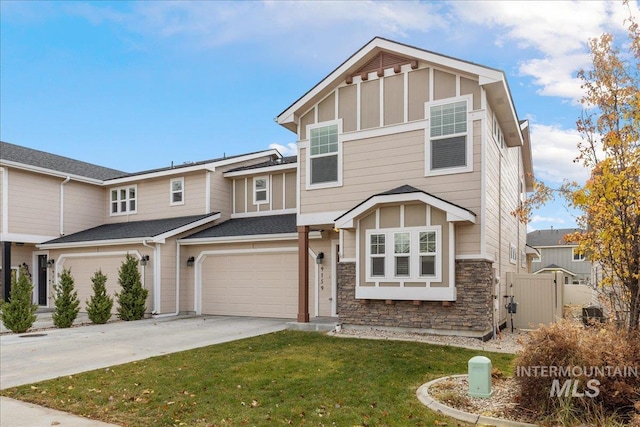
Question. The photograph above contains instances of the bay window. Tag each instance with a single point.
(404, 255)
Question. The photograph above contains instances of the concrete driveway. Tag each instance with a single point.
(28, 358)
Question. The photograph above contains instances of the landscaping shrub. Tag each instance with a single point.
(18, 314)
(566, 345)
(100, 305)
(133, 298)
(66, 301)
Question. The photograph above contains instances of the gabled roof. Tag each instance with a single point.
(554, 267)
(493, 80)
(552, 237)
(188, 167)
(23, 157)
(251, 226)
(155, 230)
(405, 193)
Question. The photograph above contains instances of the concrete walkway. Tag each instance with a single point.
(50, 353)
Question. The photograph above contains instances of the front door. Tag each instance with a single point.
(42, 280)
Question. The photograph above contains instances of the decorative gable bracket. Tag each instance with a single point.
(381, 62)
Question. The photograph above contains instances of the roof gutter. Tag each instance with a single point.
(62, 184)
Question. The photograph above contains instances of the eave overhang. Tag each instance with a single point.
(454, 213)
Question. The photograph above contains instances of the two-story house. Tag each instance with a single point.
(394, 213)
(556, 254)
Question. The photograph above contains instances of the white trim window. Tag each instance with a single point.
(123, 200)
(377, 254)
(577, 255)
(404, 254)
(513, 254)
(176, 191)
(260, 190)
(324, 156)
(449, 137)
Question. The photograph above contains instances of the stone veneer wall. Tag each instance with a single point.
(471, 312)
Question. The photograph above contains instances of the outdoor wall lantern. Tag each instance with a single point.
(144, 260)
(319, 258)
(51, 262)
(190, 261)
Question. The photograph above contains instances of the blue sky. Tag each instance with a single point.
(138, 85)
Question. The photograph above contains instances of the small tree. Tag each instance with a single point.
(609, 201)
(133, 298)
(66, 301)
(100, 305)
(18, 314)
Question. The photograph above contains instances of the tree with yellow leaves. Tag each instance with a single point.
(609, 201)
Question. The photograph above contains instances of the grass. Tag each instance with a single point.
(285, 378)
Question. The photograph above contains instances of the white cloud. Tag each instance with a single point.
(558, 31)
(553, 151)
(291, 149)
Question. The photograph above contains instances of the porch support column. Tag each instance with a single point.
(6, 270)
(303, 274)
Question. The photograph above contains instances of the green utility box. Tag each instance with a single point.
(479, 377)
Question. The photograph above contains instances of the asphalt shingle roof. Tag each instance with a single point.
(276, 162)
(41, 159)
(403, 189)
(552, 237)
(272, 224)
(129, 230)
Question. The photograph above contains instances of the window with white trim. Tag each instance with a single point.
(123, 200)
(577, 254)
(513, 254)
(176, 191)
(404, 254)
(260, 190)
(376, 255)
(428, 253)
(324, 155)
(448, 143)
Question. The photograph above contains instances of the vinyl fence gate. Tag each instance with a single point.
(539, 298)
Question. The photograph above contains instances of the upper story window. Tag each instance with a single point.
(408, 254)
(260, 190)
(324, 159)
(123, 200)
(177, 191)
(578, 255)
(513, 254)
(449, 141)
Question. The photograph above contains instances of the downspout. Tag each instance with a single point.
(157, 316)
(62, 184)
(156, 263)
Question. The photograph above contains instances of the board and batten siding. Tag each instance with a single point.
(282, 193)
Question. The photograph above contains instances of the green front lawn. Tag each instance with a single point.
(285, 378)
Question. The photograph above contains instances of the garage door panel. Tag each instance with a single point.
(251, 284)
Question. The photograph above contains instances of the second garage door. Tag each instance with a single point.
(250, 284)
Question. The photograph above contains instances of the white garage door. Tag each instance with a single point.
(250, 284)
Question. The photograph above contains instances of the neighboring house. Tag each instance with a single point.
(558, 255)
(394, 213)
